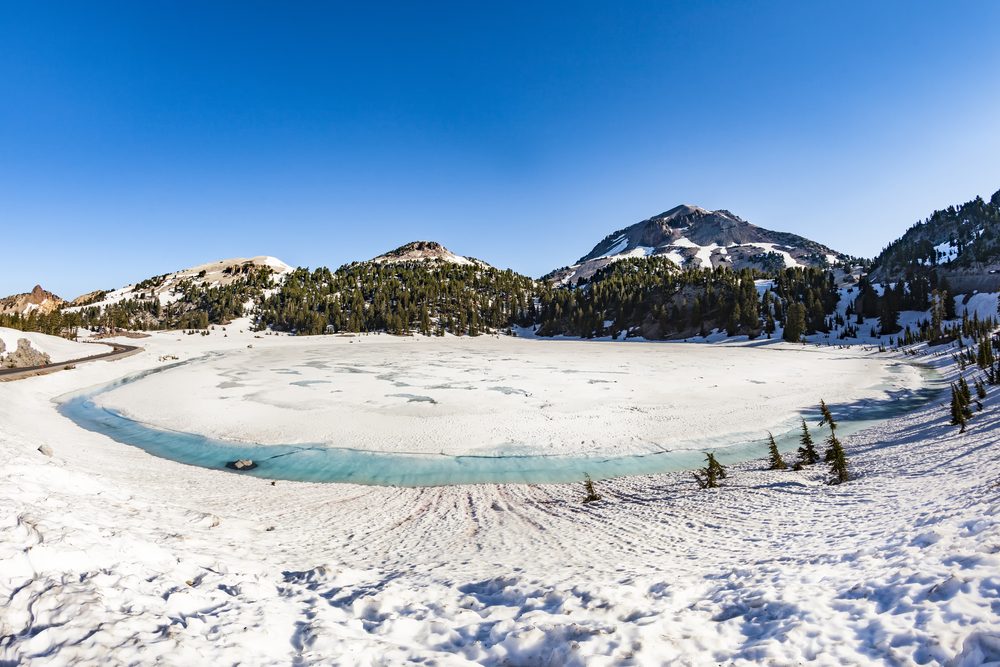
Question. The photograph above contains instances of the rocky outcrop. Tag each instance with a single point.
(24, 356)
(38, 300)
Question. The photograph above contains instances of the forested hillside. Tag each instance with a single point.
(191, 305)
(399, 297)
(651, 298)
(961, 238)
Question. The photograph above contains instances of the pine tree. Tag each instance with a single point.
(958, 410)
(775, 462)
(827, 416)
(837, 459)
(795, 323)
(807, 452)
(588, 486)
(712, 472)
(963, 387)
(980, 389)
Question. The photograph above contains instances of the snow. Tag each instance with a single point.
(945, 252)
(619, 244)
(59, 349)
(763, 286)
(110, 555)
(704, 253)
(492, 395)
(983, 304)
(785, 256)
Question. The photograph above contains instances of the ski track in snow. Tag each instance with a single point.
(108, 555)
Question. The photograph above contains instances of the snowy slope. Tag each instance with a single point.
(58, 349)
(109, 555)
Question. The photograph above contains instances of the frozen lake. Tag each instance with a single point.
(424, 412)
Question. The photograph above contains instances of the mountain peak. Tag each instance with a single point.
(38, 299)
(694, 237)
(424, 251)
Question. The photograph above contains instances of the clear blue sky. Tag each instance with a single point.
(141, 137)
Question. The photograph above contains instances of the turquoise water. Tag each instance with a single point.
(323, 463)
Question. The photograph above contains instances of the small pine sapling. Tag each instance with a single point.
(827, 415)
(588, 486)
(837, 459)
(710, 474)
(775, 462)
(807, 452)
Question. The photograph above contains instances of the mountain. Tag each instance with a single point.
(193, 298)
(171, 287)
(961, 244)
(693, 237)
(421, 286)
(38, 300)
(425, 251)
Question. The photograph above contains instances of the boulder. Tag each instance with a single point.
(241, 464)
(25, 356)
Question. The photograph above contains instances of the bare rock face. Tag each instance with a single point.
(24, 356)
(38, 299)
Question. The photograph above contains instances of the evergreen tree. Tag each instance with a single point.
(837, 459)
(807, 452)
(588, 487)
(963, 387)
(827, 416)
(795, 323)
(980, 389)
(959, 411)
(775, 462)
(711, 473)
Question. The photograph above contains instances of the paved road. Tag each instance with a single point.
(118, 351)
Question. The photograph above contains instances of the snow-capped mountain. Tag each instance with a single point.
(37, 300)
(425, 251)
(693, 237)
(166, 287)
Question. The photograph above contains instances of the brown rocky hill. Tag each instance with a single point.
(37, 300)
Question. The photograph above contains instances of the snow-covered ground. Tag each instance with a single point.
(486, 395)
(58, 349)
(109, 555)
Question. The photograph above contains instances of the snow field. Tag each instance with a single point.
(110, 555)
(498, 395)
(59, 349)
